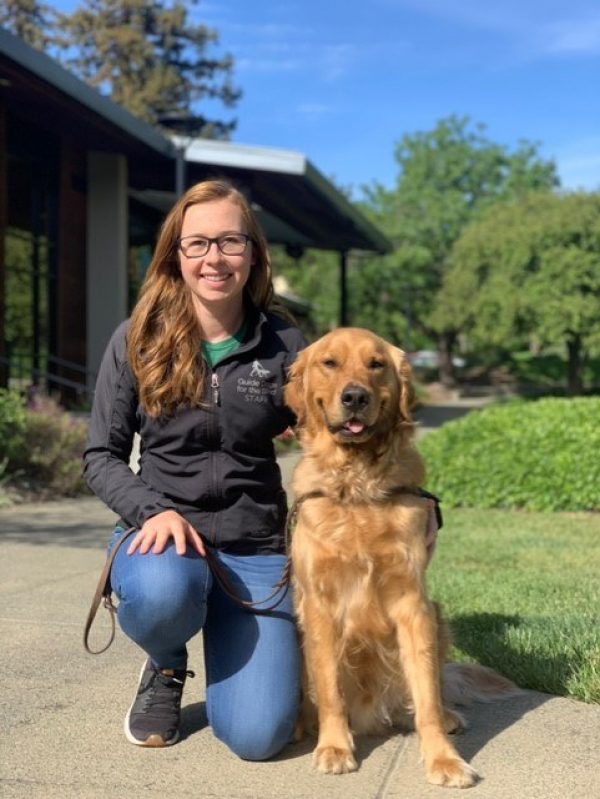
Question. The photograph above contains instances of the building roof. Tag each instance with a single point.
(297, 205)
(310, 207)
(29, 73)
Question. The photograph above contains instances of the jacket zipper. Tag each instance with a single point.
(214, 384)
(216, 399)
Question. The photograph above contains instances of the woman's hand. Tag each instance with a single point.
(157, 530)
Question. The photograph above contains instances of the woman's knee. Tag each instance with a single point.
(260, 741)
(162, 589)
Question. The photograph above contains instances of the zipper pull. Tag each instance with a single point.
(215, 388)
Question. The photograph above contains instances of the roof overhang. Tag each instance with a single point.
(313, 212)
(296, 204)
(37, 87)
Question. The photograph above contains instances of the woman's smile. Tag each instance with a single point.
(216, 277)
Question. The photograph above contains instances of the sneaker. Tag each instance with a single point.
(153, 718)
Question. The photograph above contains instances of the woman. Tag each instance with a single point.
(198, 372)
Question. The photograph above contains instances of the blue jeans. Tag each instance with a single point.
(253, 664)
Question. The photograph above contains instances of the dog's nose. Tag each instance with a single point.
(355, 398)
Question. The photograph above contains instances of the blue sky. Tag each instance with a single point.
(342, 82)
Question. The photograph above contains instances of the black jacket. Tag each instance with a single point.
(216, 465)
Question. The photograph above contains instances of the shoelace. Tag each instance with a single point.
(163, 693)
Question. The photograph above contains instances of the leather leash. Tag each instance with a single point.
(103, 593)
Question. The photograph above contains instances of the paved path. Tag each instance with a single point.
(430, 417)
(62, 709)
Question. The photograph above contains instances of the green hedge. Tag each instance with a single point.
(542, 455)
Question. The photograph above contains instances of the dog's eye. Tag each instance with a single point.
(376, 364)
(329, 363)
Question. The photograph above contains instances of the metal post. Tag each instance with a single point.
(180, 170)
(343, 289)
(36, 277)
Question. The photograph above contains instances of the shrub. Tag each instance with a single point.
(13, 419)
(44, 449)
(539, 455)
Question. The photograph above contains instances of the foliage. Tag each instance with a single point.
(521, 592)
(447, 176)
(148, 56)
(530, 268)
(538, 456)
(28, 19)
(314, 277)
(13, 419)
(546, 371)
(41, 447)
(19, 280)
(383, 296)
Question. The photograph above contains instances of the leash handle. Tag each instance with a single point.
(103, 594)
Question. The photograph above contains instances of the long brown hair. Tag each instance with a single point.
(164, 338)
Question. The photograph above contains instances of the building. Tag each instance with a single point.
(84, 186)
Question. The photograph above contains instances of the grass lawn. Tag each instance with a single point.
(522, 594)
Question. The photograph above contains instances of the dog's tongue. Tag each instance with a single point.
(354, 427)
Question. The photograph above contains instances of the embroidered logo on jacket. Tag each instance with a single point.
(258, 370)
(255, 387)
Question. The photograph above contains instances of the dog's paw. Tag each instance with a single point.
(452, 772)
(454, 722)
(334, 760)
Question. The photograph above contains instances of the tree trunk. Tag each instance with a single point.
(446, 343)
(574, 365)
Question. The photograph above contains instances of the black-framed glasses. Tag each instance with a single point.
(228, 244)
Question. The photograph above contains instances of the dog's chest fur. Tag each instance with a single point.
(357, 563)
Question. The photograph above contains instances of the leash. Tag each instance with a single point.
(103, 593)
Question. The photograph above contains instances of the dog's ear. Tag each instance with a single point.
(294, 392)
(407, 394)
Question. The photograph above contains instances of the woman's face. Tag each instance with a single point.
(215, 278)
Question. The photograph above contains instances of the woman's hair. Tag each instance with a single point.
(164, 338)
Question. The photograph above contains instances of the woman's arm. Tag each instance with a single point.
(113, 423)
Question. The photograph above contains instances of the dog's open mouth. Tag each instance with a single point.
(350, 429)
(353, 427)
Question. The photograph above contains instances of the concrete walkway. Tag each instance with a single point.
(62, 709)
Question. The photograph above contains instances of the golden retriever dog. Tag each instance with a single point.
(374, 643)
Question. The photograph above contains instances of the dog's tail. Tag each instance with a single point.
(465, 683)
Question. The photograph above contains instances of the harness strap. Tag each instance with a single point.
(436, 506)
(318, 494)
(293, 515)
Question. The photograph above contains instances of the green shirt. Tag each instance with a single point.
(215, 352)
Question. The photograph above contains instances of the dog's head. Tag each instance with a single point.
(351, 384)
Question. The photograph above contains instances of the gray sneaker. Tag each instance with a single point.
(153, 718)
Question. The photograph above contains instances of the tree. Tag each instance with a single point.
(315, 278)
(147, 56)
(383, 299)
(28, 19)
(447, 176)
(531, 268)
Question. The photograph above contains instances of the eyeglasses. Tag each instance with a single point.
(229, 244)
